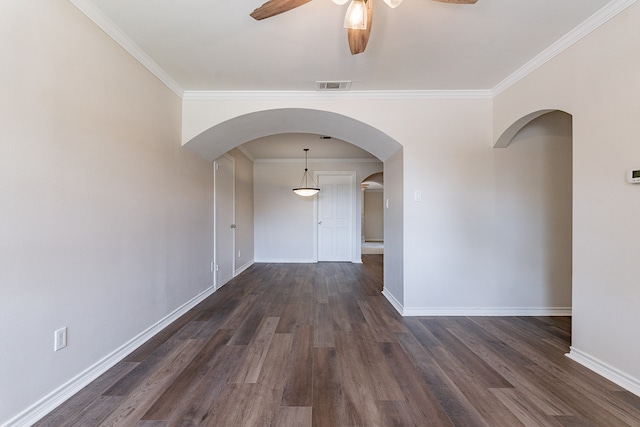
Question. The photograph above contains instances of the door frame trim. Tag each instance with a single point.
(215, 219)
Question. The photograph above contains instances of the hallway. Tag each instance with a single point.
(316, 344)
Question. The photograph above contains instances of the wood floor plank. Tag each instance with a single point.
(421, 332)
(317, 344)
(152, 423)
(276, 364)
(591, 409)
(256, 403)
(570, 373)
(422, 406)
(142, 397)
(328, 399)
(459, 410)
(68, 413)
(298, 388)
(97, 411)
(521, 407)
(347, 310)
(244, 308)
(189, 378)
(142, 352)
(297, 312)
(322, 327)
(376, 321)
(248, 328)
(474, 389)
(359, 358)
(293, 416)
(149, 365)
(395, 413)
(251, 364)
(441, 328)
(197, 408)
(512, 366)
(321, 291)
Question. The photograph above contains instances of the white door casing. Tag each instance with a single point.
(335, 215)
(224, 221)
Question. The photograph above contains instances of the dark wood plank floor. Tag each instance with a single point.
(317, 344)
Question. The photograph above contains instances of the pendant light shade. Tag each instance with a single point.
(340, 2)
(356, 17)
(304, 189)
(393, 3)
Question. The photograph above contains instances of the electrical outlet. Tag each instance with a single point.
(60, 339)
(238, 254)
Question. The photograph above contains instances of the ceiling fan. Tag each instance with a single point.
(357, 20)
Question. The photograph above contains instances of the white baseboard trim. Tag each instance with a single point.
(285, 261)
(486, 311)
(609, 372)
(394, 302)
(243, 268)
(54, 399)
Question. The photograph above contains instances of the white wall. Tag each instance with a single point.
(284, 222)
(458, 256)
(105, 220)
(394, 230)
(453, 261)
(596, 80)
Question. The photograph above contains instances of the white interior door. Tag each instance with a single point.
(335, 217)
(224, 220)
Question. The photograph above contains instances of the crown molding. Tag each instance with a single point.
(364, 94)
(341, 160)
(573, 36)
(119, 36)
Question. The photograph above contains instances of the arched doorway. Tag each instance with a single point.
(225, 136)
(534, 208)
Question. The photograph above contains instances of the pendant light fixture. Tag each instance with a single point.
(305, 190)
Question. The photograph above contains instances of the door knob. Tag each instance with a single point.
(233, 226)
(320, 223)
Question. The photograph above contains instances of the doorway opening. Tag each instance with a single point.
(286, 234)
(535, 209)
(372, 194)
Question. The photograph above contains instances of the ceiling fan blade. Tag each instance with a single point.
(276, 7)
(458, 1)
(358, 39)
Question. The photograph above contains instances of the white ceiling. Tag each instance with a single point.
(421, 45)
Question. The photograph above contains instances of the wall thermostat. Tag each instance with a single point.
(633, 176)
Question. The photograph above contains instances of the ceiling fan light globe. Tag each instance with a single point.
(340, 2)
(393, 3)
(356, 17)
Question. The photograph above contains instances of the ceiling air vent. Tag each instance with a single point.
(343, 85)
